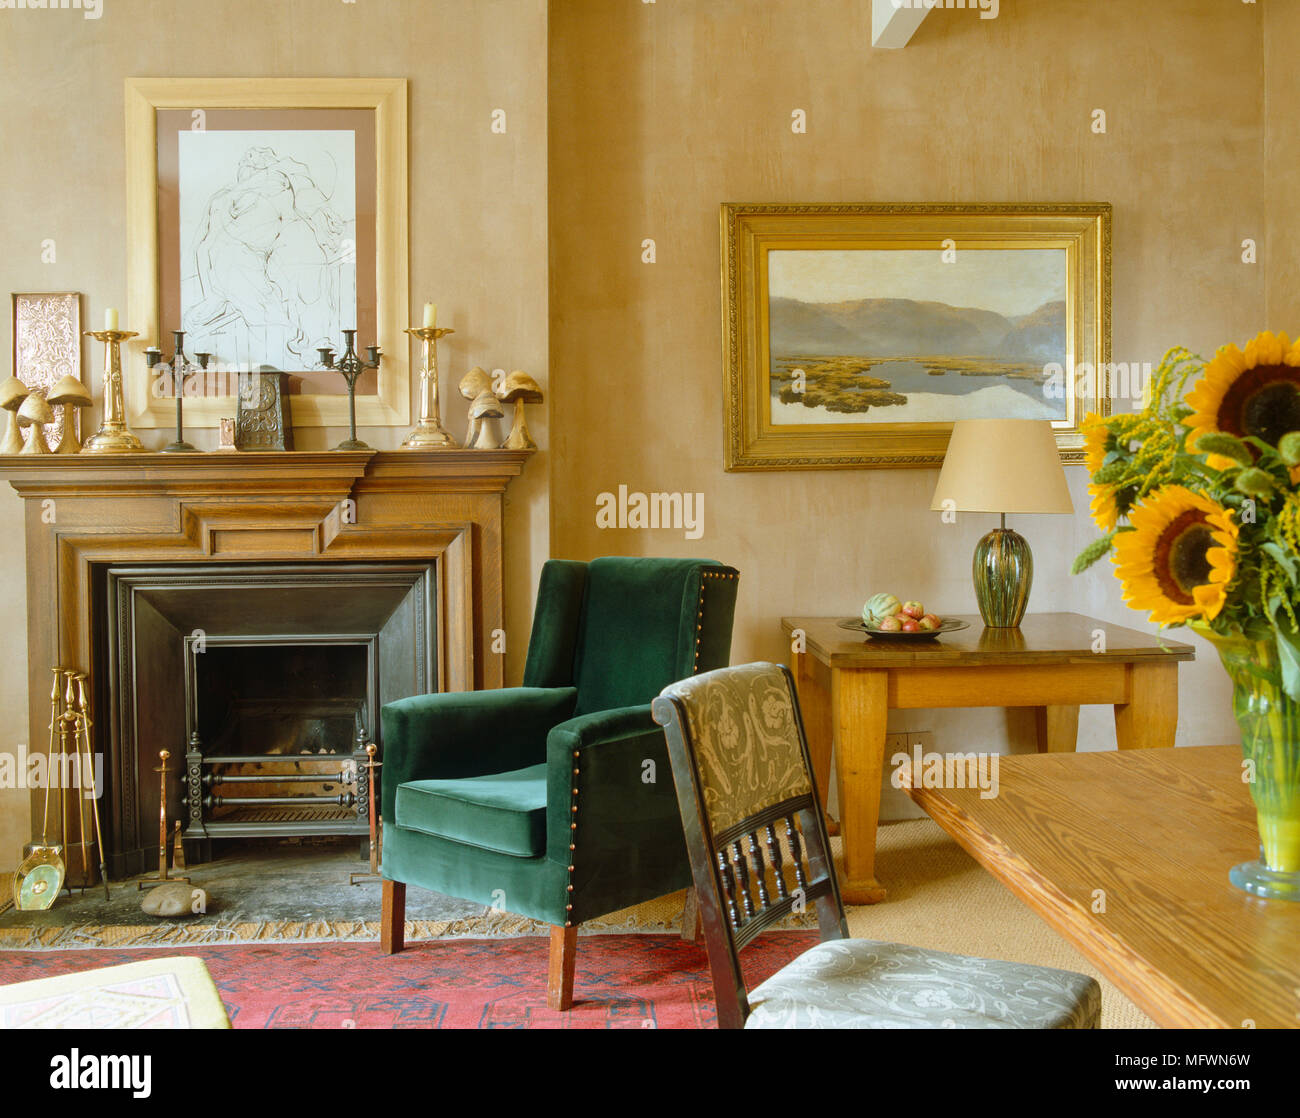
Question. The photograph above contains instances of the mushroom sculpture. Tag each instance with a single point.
(485, 406)
(12, 394)
(472, 385)
(36, 413)
(519, 389)
(72, 395)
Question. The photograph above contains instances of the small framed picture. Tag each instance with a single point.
(47, 345)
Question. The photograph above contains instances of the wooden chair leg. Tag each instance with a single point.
(559, 983)
(392, 917)
(692, 918)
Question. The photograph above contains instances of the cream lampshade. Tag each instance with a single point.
(1002, 466)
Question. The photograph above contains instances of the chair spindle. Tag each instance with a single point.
(778, 867)
(796, 852)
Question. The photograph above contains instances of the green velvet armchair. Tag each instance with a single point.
(539, 799)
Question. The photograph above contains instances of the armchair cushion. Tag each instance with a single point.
(505, 812)
(457, 734)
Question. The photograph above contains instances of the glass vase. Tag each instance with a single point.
(1270, 744)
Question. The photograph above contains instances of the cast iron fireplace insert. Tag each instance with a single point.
(264, 682)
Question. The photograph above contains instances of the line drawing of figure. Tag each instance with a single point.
(271, 265)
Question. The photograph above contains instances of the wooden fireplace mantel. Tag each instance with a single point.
(87, 511)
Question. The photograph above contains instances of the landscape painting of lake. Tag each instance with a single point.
(866, 336)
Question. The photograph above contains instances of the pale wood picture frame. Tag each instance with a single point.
(387, 99)
(750, 231)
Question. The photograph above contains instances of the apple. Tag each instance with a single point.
(934, 621)
(890, 625)
(914, 609)
(910, 626)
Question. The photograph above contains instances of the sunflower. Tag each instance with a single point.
(1180, 557)
(1252, 393)
(1105, 507)
(1096, 434)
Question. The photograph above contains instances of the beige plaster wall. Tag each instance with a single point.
(477, 214)
(659, 112)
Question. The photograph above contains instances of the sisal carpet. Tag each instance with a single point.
(939, 897)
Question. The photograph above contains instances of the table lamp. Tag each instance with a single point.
(1002, 466)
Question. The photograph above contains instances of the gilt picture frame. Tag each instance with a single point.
(197, 150)
(854, 335)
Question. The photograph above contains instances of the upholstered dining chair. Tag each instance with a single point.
(740, 764)
(554, 800)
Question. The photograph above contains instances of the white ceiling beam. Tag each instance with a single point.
(894, 22)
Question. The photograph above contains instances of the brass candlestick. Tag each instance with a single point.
(429, 432)
(112, 436)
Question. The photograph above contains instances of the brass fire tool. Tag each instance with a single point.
(357, 878)
(70, 747)
(38, 879)
(82, 711)
(162, 877)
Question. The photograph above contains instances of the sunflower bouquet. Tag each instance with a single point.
(1197, 496)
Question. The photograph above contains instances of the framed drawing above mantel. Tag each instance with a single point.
(264, 216)
(855, 335)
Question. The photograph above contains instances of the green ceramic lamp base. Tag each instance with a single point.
(1003, 569)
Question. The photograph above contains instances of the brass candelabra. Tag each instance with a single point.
(112, 436)
(429, 432)
(180, 368)
(351, 366)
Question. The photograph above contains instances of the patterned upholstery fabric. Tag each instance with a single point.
(741, 723)
(858, 984)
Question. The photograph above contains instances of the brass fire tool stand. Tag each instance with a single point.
(70, 746)
(38, 880)
(83, 723)
(162, 877)
(357, 878)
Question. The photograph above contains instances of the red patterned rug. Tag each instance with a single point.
(622, 982)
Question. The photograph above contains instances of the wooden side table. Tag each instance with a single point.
(1054, 662)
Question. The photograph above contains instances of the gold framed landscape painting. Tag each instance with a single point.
(856, 335)
(265, 216)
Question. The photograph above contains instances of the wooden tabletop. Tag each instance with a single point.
(1127, 854)
(1042, 638)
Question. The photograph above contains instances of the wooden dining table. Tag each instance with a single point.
(1127, 856)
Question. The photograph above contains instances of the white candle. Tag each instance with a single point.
(110, 318)
(430, 315)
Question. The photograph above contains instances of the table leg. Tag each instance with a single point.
(1057, 727)
(1150, 717)
(816, 707)
(859, 701)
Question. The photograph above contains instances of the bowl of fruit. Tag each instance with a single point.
(885, 616)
